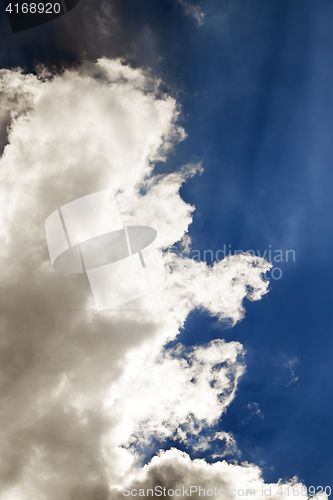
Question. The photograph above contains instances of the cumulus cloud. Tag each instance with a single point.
(178, 393)
(82, 392)
(174, 470)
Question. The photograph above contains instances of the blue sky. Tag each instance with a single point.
(254, 82)
(260, 116)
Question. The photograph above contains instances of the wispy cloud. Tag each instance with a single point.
(289, 364)
(193, 10)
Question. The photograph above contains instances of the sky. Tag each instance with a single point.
(211, 121)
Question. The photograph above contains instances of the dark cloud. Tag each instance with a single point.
(138, 31)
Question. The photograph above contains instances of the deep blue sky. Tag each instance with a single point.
(262, 123)
(255, 82)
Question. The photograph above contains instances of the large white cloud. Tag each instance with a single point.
(83, 392)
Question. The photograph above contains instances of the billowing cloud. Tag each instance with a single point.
(174, 474)
(82, 392)
(178, 393)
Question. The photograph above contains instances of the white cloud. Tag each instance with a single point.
(177, 391)
(176, 471)
(77, 386)
(230, 444)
